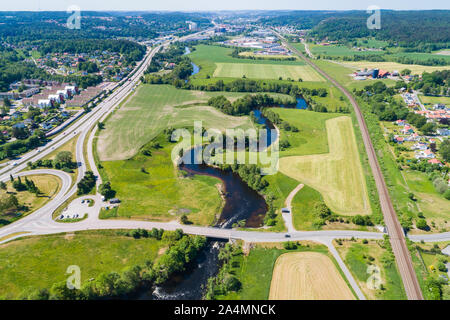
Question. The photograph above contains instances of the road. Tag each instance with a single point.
(396, 234)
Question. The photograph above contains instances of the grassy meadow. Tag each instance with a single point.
(152, 109)
(359, 256)
(337, 175)
(38, 262)
(152, 188)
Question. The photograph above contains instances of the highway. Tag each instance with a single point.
(394, 228)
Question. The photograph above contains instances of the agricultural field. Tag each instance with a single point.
(150, 187)
(217, 61)
(421, 56)
(307, 276)
(38, 262)
(255, 269)
(271, 57)
(337, 175)
(430, 101)
(391, 66)
(152, 109)
(252, 71)
(338, 51)
(49, 186)
(361, 257)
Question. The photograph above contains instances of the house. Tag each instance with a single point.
(29, 92)
(439, 106)
(443, 132)
(383, 73)
(426, 154)
(434, 161)
(19, 125)
(46, 126)
(401, 123)
(399, 140)
(9, 95)
(407, 129)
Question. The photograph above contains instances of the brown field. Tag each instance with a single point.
(307, 276)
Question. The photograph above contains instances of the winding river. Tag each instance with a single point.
(241, 203)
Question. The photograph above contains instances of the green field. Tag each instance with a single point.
(312, 135)
(152, 109)
(48, 185)
(302, 208)
(217, 61)
(392, 66)
(253, 71)
(337, 175)
(428, 100)
(359, 256)
(39, 262)
(152, 188)
(338, 51)
(255, 270)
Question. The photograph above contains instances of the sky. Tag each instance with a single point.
(205, 5)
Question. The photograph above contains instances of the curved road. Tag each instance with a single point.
(394, 228)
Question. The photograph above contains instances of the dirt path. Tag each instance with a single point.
(287, 216)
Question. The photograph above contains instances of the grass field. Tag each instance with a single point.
(38, 262)
(339, 51)
(391, 66)
(307, 276)
(255, 269)
(152, 109)
(152, 188)
(358, 257)
(261, 56)
(433, 205)
(267, 71)
(428, 100)
(312, 135)
(302, 204)
(49, 186)
(337, 175)
(217, 61)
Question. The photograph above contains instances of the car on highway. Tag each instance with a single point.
(287, 235)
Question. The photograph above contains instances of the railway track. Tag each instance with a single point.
(395, 230)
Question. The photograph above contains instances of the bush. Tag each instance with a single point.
(447, 194)
(422, 224)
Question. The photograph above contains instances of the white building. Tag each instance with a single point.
(43, 103)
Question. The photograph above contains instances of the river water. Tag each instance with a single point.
(241, 203)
